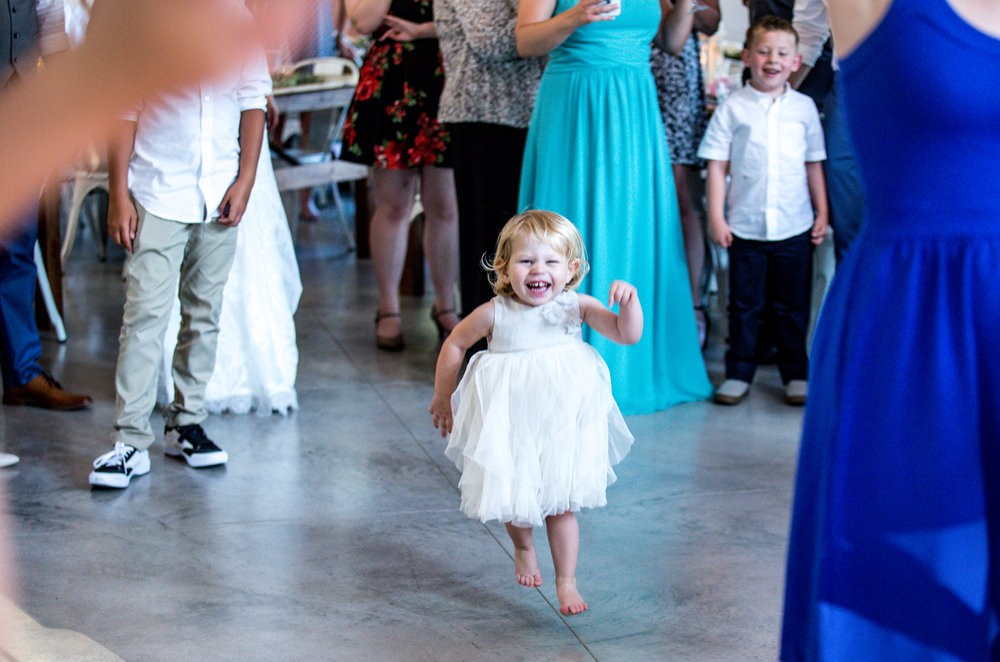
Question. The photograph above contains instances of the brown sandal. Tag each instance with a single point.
(387, 343)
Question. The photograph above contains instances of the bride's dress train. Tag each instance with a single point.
(257, 358)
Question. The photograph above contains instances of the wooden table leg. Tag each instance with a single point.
(49, 240)
(411, 283)
(362, 216)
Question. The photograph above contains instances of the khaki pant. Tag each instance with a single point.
(170, 257)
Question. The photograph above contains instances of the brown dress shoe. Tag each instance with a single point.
(45, 392)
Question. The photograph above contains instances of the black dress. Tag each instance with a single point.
(392, 122)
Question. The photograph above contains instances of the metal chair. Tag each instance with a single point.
(90, 177)
(309, 168)
(46, 292)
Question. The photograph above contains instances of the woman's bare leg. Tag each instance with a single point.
(694, 244)
(525, 559)
(564, 541)
(437, 193)
(394, 193)
(694, 233)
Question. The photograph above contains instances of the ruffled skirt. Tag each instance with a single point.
(535, 434)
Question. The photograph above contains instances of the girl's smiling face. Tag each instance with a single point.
(537, 272)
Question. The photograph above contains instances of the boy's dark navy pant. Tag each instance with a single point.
(779, 272)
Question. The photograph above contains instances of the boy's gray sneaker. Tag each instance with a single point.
(117, 467)
(191, 443)
(796, 392)
(731, 391)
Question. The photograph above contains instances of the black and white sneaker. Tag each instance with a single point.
(191, 443)
(119, 465)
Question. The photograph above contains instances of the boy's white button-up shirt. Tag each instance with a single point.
(767, 143)
(187, 151)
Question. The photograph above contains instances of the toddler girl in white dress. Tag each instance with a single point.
(534, 429)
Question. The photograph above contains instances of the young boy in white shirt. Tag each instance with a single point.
(180, 173)
(767, 137)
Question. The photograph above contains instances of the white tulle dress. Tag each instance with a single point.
(257, 357)
(536, 430)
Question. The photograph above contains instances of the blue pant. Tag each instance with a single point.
(843, 181)
(775, 273)
(20, 347)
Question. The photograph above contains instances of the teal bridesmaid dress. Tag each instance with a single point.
(597, 154)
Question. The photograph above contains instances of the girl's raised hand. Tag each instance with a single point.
(622, 293)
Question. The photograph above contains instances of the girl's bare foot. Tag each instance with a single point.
(525, 559)
(570, 600)
(526, 567)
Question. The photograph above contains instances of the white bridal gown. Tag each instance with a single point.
(257, 358)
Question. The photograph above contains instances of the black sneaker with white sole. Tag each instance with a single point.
(117, 467)
(191, 443)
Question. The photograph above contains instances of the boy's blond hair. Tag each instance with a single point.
(769, 23)
(548, 227)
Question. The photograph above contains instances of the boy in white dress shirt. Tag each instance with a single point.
(180, 173)
(768, 138)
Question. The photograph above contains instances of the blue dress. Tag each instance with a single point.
(596, 154)
(895, 540)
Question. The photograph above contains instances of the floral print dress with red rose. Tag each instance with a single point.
(392, 122)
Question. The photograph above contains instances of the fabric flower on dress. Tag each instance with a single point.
(561, 311)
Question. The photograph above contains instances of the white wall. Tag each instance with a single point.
(735, 20)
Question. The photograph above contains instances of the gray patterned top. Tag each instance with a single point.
(485, 80)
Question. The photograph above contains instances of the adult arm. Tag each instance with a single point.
(810, 21)
(852, 20)
(706, 20)
(367, 15)
(56, 114)
(402, 30)
(799, 75)
(338, 10)
(624, 328)
(539, 32)
(122, 217)
(679, 19)
(469, 331)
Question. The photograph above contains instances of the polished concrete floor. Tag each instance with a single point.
(334, 533)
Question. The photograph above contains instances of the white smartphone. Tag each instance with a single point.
(616, 12)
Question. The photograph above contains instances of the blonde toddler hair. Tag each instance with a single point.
(549, 228)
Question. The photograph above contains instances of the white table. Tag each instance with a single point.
(334, 94)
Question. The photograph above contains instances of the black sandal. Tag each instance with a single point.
(436, 318)
(388, 343)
